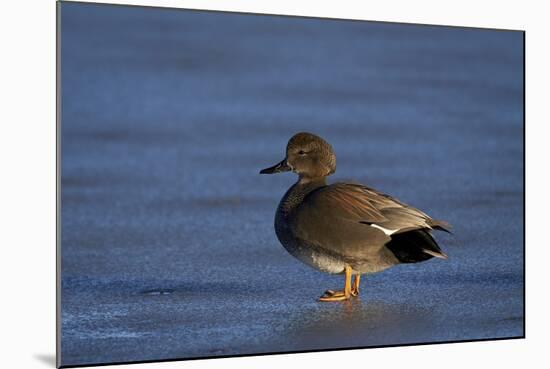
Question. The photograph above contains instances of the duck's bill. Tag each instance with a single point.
(277, 168)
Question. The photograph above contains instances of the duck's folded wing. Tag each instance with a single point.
(347, 216)
(400, 217)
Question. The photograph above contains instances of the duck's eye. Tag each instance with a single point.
(301, 152)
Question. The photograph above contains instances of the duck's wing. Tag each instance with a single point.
(345, 216)
(392, 215)
(402, 217)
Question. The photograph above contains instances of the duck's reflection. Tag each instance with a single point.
(355, 323)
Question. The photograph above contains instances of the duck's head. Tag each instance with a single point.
(308, 155)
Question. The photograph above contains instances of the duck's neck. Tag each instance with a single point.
(295, 194)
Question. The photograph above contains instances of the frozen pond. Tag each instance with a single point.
(168, 246)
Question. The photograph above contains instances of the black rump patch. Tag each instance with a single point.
(408, 246)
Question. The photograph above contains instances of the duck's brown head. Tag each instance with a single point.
(308, 155)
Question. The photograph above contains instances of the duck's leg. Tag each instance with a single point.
(340, 295)
(355, 286)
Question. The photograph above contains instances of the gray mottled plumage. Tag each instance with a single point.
(331, 226)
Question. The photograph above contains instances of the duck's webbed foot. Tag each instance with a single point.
(347, 292)
(331, 295)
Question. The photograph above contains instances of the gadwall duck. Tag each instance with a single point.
(345, 227)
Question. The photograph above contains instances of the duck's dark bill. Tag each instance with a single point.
(277, 168)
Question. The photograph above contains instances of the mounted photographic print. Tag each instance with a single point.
(242, 184)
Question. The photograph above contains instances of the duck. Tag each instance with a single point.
(346, 228)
